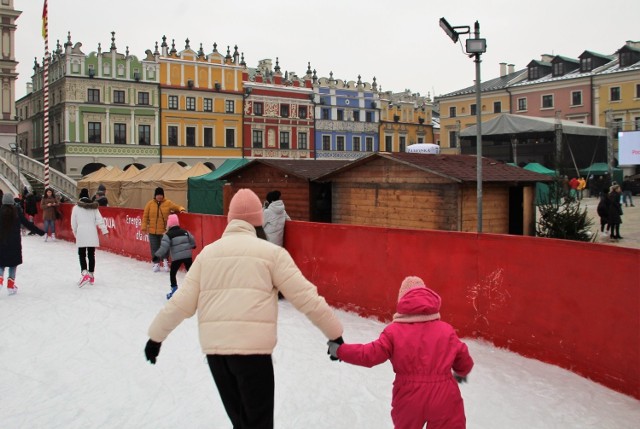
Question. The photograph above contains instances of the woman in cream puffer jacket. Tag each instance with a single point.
(233, 285)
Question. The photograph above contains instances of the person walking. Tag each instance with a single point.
(427, 356)
(627, 192)
(614, 217)
(603, 211)
(154, 222)
(180, 244)
(275, 217)
(85, 217)
(11, 218)
(233, 286)
(49, 206)
(31, 206)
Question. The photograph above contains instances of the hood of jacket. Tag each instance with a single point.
(86, 204)
(277, 207)
(418, 305)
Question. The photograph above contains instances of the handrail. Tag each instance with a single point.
(57, 180)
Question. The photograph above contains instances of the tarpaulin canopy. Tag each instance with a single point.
(539, 168)
(600, 168)
(112, 183)
(205, 192)
(510, 124)
(137, 191)
(93, 180)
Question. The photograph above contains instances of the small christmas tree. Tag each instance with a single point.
(562, 217)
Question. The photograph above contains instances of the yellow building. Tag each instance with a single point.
(405, 119)
(201, 98)
(458, 108)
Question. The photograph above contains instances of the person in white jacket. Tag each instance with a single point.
(85, 217)
(274, 218)
(233, 285)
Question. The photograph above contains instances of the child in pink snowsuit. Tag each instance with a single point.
(427, 357)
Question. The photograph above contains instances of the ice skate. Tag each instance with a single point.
(86, 278)
(156, 268)
(91, 278)
(12, 289)
(173, 290)
(166, 266)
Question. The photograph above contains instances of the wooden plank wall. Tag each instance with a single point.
(262, 179)
(495, 208)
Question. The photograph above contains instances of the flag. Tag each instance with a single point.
(44, 20)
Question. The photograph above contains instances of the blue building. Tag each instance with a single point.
(347, 118)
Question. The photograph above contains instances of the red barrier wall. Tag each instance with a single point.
(575, 305)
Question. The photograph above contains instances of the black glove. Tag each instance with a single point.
(459, 378)
(152, 350)
(332, 351)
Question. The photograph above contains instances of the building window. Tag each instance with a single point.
(95, 132)
(616, 126)
(173, 102)
(302, 141)
(208, 137)
(356, 116)
(522, 104)
(120, 133)
(403, 144)
(284, 140)
(191, 103)
(173, 135)
(230, 137)
(370, 116)
(637, 91)
(340, 113)
(191, 136)
(558, 69)
(452, 112)
(207, 104)
(256, 140)
(472, 109)
(356, 144)
(326, 114)
(497, 106)
(576, 98)
(534, 73)
(284, 110)
(229, 106)
(340, 143)
(626, 59)
(143, 98)
(453, 139)
(614, 93)
(388, 143)
(93, 95)
(302, 112)
(258, 109)
(586, 64)
(636, 121)
(144, 134)
(369, 143)
(547, 101)
(326, 142)
(118, 97)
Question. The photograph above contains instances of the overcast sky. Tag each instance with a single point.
(399, 42)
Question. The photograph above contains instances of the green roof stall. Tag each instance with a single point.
(204, 194)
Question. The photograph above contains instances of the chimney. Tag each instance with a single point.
(29, 87)
(503, 69)
(546, 58)
(632, 44)
(512, 68)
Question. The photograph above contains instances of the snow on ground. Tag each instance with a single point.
(73, 358)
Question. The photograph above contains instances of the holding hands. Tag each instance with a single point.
(334, 345)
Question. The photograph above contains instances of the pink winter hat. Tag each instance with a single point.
(245, 205)
(172, 220)
(423, 306)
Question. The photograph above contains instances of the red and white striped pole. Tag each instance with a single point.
(45, 34)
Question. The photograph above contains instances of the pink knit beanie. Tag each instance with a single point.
(245, 205)
(173, 220)
(428, 307)
(408, 283)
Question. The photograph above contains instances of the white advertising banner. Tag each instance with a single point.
(629, 148)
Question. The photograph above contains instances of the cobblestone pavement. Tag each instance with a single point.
(629, 230)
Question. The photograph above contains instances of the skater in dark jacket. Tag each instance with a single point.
(180, 243)
(11, 240)
(603, 211)
(615, 212)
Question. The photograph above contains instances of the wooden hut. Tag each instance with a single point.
(421, 191)
(304, 199)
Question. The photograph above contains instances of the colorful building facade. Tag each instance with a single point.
(405, 119)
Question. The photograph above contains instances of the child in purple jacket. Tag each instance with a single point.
(427, 356)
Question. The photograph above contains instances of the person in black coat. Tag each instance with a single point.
(101, 196)
(603, 211)
(614, 217)
(11, 240)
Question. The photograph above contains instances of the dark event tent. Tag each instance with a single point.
(204, 194)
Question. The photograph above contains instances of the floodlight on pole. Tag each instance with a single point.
(474, 47)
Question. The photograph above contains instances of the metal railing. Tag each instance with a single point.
(60, 182)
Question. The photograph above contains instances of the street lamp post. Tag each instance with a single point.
(474, 47)
(16, 149)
